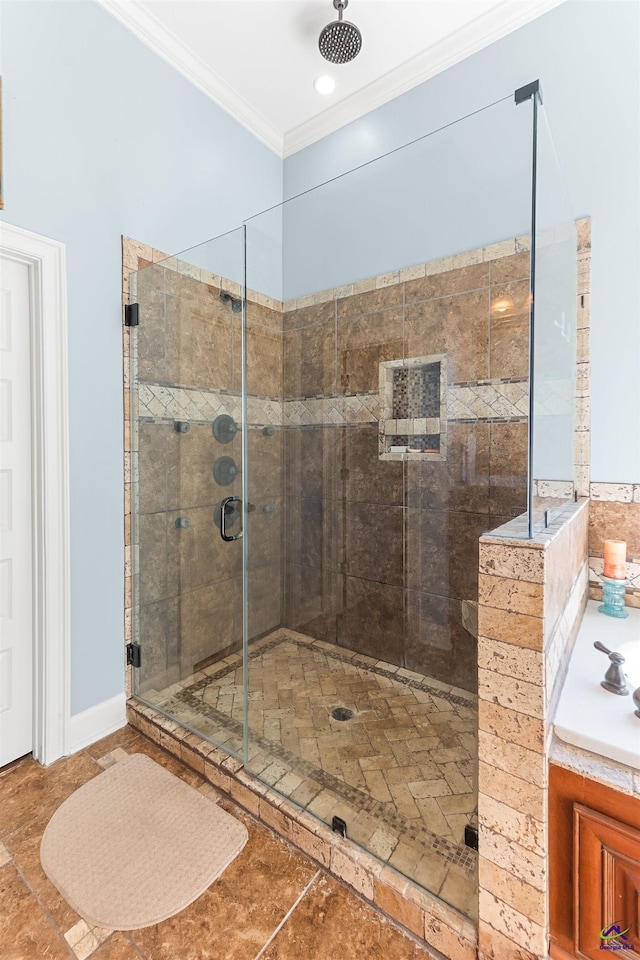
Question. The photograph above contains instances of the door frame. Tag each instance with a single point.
(45, 260)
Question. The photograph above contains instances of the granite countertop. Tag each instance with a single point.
(587, 715)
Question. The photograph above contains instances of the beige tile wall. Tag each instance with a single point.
(348, 579)
(134, 256)
(532, 594)
(187, 360)
(615, 515)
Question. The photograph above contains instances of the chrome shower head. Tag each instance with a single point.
(340, 41)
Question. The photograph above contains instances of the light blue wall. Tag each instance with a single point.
(102, 138)
(464, 186)
(586, 55)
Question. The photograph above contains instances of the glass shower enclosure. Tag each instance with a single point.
(329, 407)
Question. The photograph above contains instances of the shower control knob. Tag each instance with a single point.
(181, 426)
(224, 428)
(225, 470)
(183, 523)
(635, 696)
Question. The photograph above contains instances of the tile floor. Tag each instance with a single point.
(271, 903)
(400, 772)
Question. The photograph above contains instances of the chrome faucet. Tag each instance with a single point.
(615, 680)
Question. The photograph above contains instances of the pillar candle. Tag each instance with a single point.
(615, 558)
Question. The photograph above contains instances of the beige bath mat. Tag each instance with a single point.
(136, 845)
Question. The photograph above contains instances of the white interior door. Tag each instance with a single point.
(16, 549)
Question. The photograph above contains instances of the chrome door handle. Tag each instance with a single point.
(223, 519)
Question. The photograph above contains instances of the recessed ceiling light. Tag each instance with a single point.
(324, 84)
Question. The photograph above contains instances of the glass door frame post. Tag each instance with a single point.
(134, 486)
(245, 508)
(533, 92)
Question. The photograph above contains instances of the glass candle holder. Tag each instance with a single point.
(613, 598)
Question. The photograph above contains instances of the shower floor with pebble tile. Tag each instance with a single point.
(400, 771)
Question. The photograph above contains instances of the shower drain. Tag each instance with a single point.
(342, 713)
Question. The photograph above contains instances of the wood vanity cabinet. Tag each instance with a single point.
(594, 868)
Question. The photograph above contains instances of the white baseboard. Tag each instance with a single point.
(96, 722)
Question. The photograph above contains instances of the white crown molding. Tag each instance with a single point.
(167, 45)
(479, 33)
(474, 36)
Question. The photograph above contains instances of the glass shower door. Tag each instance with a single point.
(404, 438)
(187, 463)
(555, 294)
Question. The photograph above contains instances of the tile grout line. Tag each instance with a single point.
(288, 914)
(56, 928)
(129, 938)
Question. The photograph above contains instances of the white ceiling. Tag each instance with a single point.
(258, 58)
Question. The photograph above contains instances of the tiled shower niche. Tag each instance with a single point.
(413, 399)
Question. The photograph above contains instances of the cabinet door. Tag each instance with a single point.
(606, 885)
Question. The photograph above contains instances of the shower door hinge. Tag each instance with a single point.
(471, 836)
(133, 654)
(529, 90)
(338, 825)
(131, 315)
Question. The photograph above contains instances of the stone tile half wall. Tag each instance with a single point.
(532, 596)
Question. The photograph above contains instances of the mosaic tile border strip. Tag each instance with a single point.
(462, 856)
(312, 411)
(158, 402)
(468, 403)
(492, 400)
(486, 401)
